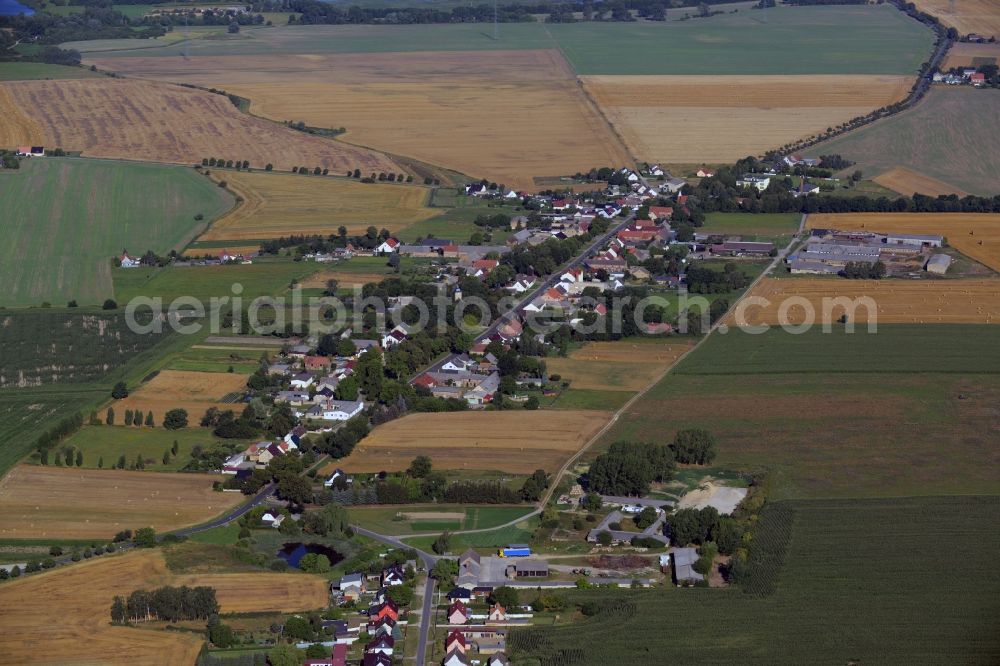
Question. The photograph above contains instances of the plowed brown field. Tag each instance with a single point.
(70, 503)
(277, 205)
(183, 389)
(718, 118)
(62, 616)
(976, 235)
(143, 120)
(504, 115)
(511, 441)
(967, 54)
(906, 182)
(979, 16)
(892, 301)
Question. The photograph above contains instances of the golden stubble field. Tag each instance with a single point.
(720, 118)
(16, 127)
(503, 115)
(276, 205)
(976, 235)
(71, 503)
(968, 54)
(183, 389)
(978, 16)
(892, 301)
(625, 365)
(62, 616)
(907, 181)
(145, 120)
(515, 441)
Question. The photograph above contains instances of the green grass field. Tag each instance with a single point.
(793, 40)
(965, 155)
(520, 533)
(603, 401)
(906, 411)
(861, 584)
(23, 71)
(110, 442)
(764, 226)
(456, 224)
(65, 219)
(382, 519)
(265, 277)
(217, 360)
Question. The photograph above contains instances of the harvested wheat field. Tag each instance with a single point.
(625, 365)
(16, 127)
(976, 235)
(907, 181)
(890, 301)
(144, 120)
(706, 118)
(502, 115)
(184, 389)
(66, 503)
(277, 205)
(62, 616)
(343, 278)
(968, 54)
(979, 16)
(518, 441)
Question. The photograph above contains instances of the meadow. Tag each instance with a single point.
(859, 566)
(965, 155)
(274, 205)
(215, 358)
(511, 441)
(762, 226)
(793, 40)
(956, 301)
(976, 235)
(26, 71)
(133, 119)
(65, 220)
(104, 444)
(80, 598)
(905, 411)
(58, 502)
(414, 518)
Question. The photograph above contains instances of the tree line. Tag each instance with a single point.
(165, 603)
(628, 468)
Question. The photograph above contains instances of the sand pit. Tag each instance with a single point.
(724, 498)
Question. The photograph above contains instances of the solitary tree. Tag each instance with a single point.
(119, 391)
(109, 418)
(420, 467)
(149, 418)
(79, 458)
(175, 419)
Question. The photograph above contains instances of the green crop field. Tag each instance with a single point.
(603, 401)
(265, 277)
(860, 585)
(65, 219)
(764, 226)
(894, 348)
(906, 411)
(23, 71)
(793, 40)
(110, 442)
(965, 154)
(218, 359)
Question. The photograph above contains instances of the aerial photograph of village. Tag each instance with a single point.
(510, 333)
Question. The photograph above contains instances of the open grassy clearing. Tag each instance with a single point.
(57, 502)
(25, 412)
(860, 566)
(747, 225)
(262, 278)
(704, 118)
(907, 181)
(519, 533)
(193, 391)
(979, 16)
(62, 617)
(457, 224)
(968, 54)
(277, 205)
(515, 441)
(431, 106)
(895, 348)
(974, 234)
(415, 518)
(576, 398)
(836, 435)
(66, 218)
(959, 301)
(625, 365)
(793, 40)
(139, 120)
(26, 71)
(210, 358)
(107, 443)
(965, 154)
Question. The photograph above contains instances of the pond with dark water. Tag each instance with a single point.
(13, 8)
(293, 552)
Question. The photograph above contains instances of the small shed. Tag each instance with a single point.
(938, 264)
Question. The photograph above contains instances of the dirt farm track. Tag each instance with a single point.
(62, 616)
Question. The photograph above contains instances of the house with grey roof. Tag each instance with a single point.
(684, 560)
